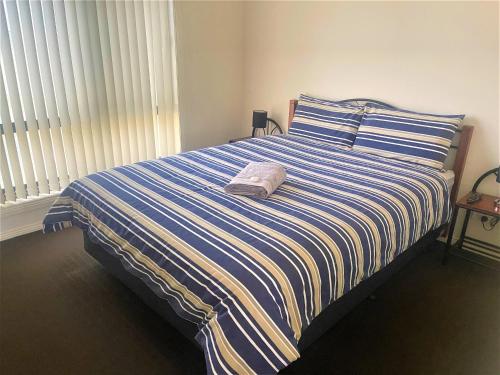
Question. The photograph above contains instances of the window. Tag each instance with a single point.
(84, 86)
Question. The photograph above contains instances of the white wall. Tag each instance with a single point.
(209, 39)
(437, 57)
(24, 217)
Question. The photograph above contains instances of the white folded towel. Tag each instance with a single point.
(257, 179)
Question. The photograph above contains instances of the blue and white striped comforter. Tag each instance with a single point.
(254, 273)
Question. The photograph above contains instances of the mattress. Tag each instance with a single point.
(449, 176)
(252, 274)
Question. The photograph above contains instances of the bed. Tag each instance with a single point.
(254, 282)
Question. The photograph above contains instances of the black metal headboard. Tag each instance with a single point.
(363, 101)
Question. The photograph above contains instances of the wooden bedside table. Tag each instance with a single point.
(238, 139)
(485, 206)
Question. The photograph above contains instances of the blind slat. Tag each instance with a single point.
(15, 103)
(142, 53)
(148, 31)
(102, 98)
(167, 76)
(36, 100)
(2, 197)
(10, 142)
(89, 87)
(108, 82)
(48, 92)
(117, 87)
(26, 97)
(79, 79)
(127, 81)
(168, 28)
(10, 195)
(158, 62)
(67, 106)
(133, 55)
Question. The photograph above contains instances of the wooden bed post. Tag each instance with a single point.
(291, 111)
(460, 158)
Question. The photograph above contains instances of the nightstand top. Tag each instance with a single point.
(238, 139)
(485, 205)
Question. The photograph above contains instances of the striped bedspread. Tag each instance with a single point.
(251, 273)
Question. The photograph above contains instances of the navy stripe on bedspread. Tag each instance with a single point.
(251, 273)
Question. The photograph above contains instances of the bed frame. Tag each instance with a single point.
(334, 312)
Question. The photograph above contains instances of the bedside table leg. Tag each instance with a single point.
(450, 235)
(464, 230)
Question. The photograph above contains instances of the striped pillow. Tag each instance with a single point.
(326, 121)
(410, 136)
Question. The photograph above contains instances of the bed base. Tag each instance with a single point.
(319, 326)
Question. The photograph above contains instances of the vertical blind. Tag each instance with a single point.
(84, 86)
